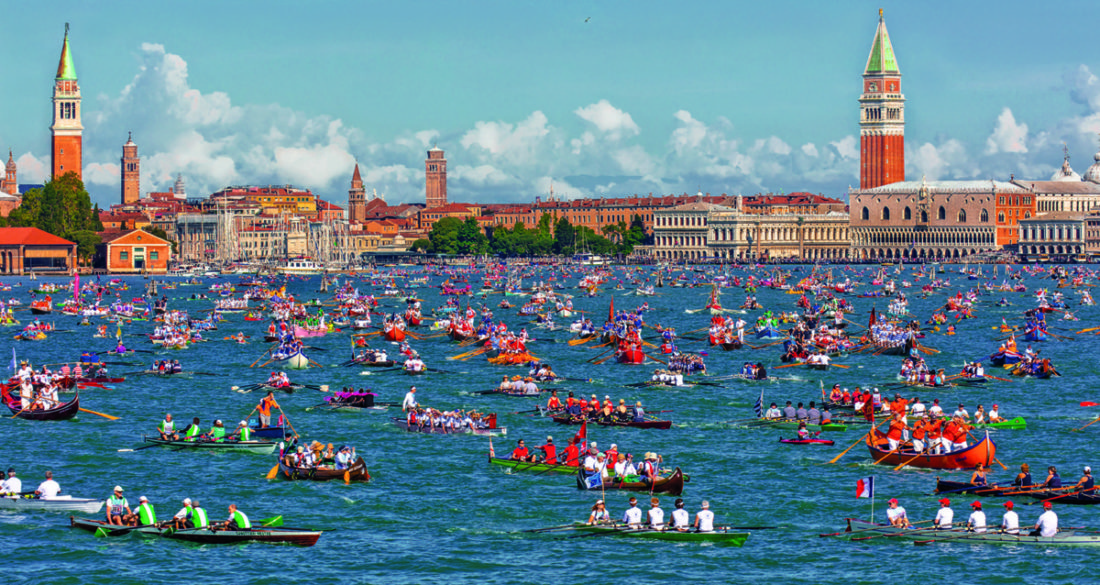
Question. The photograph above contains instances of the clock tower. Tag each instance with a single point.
(881, 116)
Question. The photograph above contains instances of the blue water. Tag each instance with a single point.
(437, 512)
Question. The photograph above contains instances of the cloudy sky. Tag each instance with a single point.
(598, 98)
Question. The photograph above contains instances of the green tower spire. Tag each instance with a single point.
(65, 69)
(882, 58)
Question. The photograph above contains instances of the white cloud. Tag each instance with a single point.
(809, 149)
(515, 143)
(32, 170)
(847, 147)
(1008, 135)
(613, 122)
(949, 160)
(108, 174)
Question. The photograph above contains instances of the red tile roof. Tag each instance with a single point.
(29, 236)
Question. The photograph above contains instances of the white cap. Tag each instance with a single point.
(118, 488)
(187, 501)
(1088, 469)
(244, 423)
(143, 499)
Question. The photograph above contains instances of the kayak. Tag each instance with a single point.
(1016, 424)
(724, 536)
(806, 441)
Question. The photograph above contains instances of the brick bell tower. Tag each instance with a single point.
(66, 152)
(435, 175)
(881, 116)
(131, 172)
(357, 198)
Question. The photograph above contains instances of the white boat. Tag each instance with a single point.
(298, 361)
(300, 267)
(591, 260)
(54, 504)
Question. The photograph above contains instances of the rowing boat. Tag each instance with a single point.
(295, 536)
(789, 424)
(723, 536)
(672, 485)
(1016, 424)
(54, 504)
(643, 424)
(961, 535)
(264, 447)
(983, 452)
(356, 472)
(537, 467)
(806, 441)
(63, 412)
(490, 432)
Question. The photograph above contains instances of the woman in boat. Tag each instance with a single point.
(681, 520)
(1086, 483)
(1053, 480)
(1023, 479)
(599, 514)
(803, 432)
(979, 476)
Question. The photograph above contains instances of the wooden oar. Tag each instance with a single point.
(904, 463)
(1086, 426)
(273, 472)
(576, 342)
(858, 441)
(138, 448)
(789, 365)
(552, 528)
(840, 366)
(106, 416)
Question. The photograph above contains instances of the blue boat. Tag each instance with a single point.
(1035, 334)
(769, 332)
(1002, 358)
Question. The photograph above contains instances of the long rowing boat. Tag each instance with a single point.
(672, 485)
(792, 424)
(537, 467)
(491, 432)
(264, 447)
(643, 424)
(1066, 495)
(983, 452)
(295, 536)
(863, 528)
(1016, 424)
(54, 504)
(720, 535)
(356, 472)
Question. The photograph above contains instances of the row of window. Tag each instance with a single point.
(680, 221)
(125, 255)
(907, 214)
(1042, 234)
(1015, 200)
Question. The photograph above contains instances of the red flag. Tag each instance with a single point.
(492, 452)
(582, 437)
(611, 310)
(871, 321)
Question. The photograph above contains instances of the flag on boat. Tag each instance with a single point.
(492, 452)
(593, 481)
(758, 409)
(14, 364)
(865, 487)
(581, 439)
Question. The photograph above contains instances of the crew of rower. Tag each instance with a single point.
(517, 384)
(654, 518)
(755, 371)
(167, 431)
(167, 367)
(319, 456)
(278, 380)
(447, 420)
(607, 411)
(1046, 525)
(415, 364)
(811, 415)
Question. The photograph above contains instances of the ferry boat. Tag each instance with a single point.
(300, 267)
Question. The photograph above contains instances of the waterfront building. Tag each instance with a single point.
(1055, 235)
(25, 250)
(135, 252)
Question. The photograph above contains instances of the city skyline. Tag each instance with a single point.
(567, 101)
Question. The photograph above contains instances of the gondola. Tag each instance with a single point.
(356, 472)
(720, 535)
(265, 447)
(672, 485)
(983, 452)
(63, 412)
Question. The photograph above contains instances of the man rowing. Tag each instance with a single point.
(896, 514)
(976, 522)
(1010, 522)
(655, 516)
(773, 412)
(264, 409)
(1047, 526)
(237, 521)
(118, 509)
(167, 429)
(520, 452)
(633, 515)
(704, 519)
(549, 451)
(48, 488)
(945, 516)
(146, 514)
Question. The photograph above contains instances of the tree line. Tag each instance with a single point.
(452, 235)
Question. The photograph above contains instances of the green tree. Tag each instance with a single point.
(86, 242)
(421, 245)
(471, 240)
(444, 235)
(61, 207)
(546, 222)
(564, 236)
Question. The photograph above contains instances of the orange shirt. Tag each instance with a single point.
(896, 427)
(899, 405)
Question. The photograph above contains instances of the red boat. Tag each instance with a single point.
(631, 356)
(394, 334)
(806, 441)
(983, 452)
(413, 318)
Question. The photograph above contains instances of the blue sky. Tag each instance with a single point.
(643, 97)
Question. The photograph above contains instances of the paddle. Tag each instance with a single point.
(273, 472)
(106, 416)
(552, 528)
(858, 441)
(138, 448)
(1086, 426)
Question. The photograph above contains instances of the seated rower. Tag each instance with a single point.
(896, 514)
(185, 518)
(803, 432)
(1085, 484)
(976, 522)
(193, 432)
(236, 522)
(639, 412)
(167, 429)
(979, 477)
(118, 509)
(995, 415)
(681, 520)
(549, 451)
(1053, 480)
(599, 514)
(633, 515)
(704, 519)
(243, 432)
(773, 412)
(217, 432)
(520, 452)
(655, 516)
(945, 517)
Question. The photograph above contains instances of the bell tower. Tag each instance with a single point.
(131, 172)
(881, 115)
(435, 175)
(66, 152)
(357, 198)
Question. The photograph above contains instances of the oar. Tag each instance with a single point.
(106, 416)
(904, 463)
(138, 448)
(273, 472)
(858, 441)
(1086, 426)
(552, 528)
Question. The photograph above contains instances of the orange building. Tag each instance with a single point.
(136, 251)
(274, 200)
(66, 153)
(429, 216)
(30, 250)
(1013, 203)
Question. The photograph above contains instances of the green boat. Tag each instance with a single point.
(254, 446)
(1014, 424)
(536, 467)
(720, 535)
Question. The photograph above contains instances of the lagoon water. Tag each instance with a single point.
(437, 512)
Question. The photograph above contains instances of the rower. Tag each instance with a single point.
(945, 516)
(50, 488)
(896, 514)
(681, 520)
(979, 476)
(572, 453)
(12, 486)
(633, 515)
(409, 402)
(826, 416)
(655, 516)
(1086, 483)
(146, 514)
(639, 412)
(217, 432)
(789, 411)
(801, 413)
(520, 452)
(599, 514)
(976, 522)
(995, 415)
(894, 434)
(1023, 479)
(237, 520)
(167, 429)
(773, 412)
(813, 414)
(118, 509)
(704, 519)
(199, 517)
(648, 470)
(624, 467)
(1047, 526)
(264, 409)
(243, 433)
(1053, 479)
(803, 432)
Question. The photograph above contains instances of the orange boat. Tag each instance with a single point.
(394, 334)
(631, 356)
(983, 452)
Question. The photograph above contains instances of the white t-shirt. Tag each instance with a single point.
(935, 410)
(633, 515)
(895, 513)
(409, 402)
(12, 485)
(590, 463)
(680, 518)
(944, 518)
(705, 518)
(918, 409)
(49, 488)
(977, 521)
(1048, 524)
(1011, 522)
(656, 517)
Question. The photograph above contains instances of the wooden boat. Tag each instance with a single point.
(806, 441)
(672, 485)
(277, 432)
(769, 332)
(357, 472)
(630, 356)
(645, 424)
(965, 487)
(297, 361)
(1016, 424)
(265, 447)
(394, 334)
(41, 307)
(295, 536)
(516, 393)
(983, 452)
(63, 412)
(381, 364)
(862, 528)
(105, 529)
(489, 432)
(721, 535)
(536, 467)
(54, 504)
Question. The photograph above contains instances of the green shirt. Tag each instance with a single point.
(192, 432)
(218, 433)
(147, 515)
(241, 520)
(246, 434)
(199, 518)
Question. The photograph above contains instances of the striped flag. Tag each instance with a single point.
(865, 487)
(759, 407)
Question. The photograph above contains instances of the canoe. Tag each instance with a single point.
(357, 472)
(265, 447)
(55, 504)
(536, 467)
(645, 424)
(723, 536)
(63, 412)
(1016, 424)
(807, 441)
(382, 364)
(490, 432)
(102, 527)
(862, 528)
(672, 485)
(983, 452)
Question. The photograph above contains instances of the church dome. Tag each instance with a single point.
(1066, 173)
(1093, 173)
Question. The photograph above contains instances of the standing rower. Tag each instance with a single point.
(264, 408)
